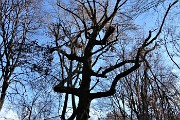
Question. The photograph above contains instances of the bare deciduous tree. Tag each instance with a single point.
(17, 20)
(148, 93)
(87, 35)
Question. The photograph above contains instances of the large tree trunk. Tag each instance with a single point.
(83, 107)
(84, 97)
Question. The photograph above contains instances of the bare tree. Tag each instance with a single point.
(149, 93)
(17, 20)
(170, 40)
(34, 98)
(87, 35)
(37, 104)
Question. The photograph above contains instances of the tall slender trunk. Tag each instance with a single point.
(64, 107)
(3, 93)
(1, 103)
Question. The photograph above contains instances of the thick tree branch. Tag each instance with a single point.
(98, 75)
(71, 56)
(112, 90)
(111, 68)
(108, 33)
(103, 94)
(68, 90)
(125, 73)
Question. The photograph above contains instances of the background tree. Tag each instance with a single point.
(17, 20)
(26, 61)
(149, 93)
(170, 38)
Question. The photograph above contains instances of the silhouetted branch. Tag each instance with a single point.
(68, 90)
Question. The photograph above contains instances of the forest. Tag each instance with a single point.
(89, 60)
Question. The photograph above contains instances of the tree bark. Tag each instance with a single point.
(3, 93)
(84, 96)
(83, 107)
(1, 103)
